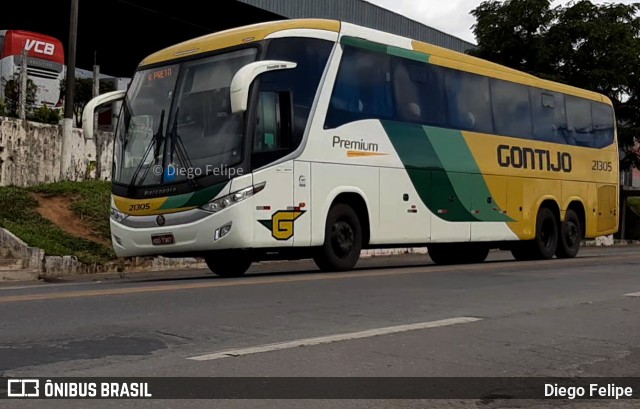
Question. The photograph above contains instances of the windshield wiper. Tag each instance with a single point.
(178, 148)
(156, 141)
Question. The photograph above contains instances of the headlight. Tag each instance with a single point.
(233, 198)
(117, 215)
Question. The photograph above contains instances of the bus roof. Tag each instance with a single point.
(452, 59)
(437, 55)
(237, 36)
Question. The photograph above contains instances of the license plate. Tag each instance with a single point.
(162, 239)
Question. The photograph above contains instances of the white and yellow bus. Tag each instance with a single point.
(318, 138)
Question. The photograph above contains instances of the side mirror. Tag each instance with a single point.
(241, 82)
(89, 110)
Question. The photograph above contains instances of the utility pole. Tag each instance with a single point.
(96, 75)
(67, 123)
(96, 87)
(95, 93)
(22, 100)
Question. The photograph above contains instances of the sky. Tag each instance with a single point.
(450, 16)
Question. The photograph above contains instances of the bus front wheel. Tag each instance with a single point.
(228, 264)
(342, 240)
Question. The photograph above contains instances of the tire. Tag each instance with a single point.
(342, 240)
(477, 253)
(441, 254)
(463, 253)
(545, 244)
(228, 264)
(570, 235)
(521, 251)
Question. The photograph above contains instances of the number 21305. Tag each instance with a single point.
(601, 166)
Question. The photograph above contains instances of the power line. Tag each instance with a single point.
(128, 3)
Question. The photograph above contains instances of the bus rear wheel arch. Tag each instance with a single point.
(343, 239)
(545, 243)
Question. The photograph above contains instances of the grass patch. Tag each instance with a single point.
(91, 202)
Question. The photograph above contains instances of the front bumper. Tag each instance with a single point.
(195, 236)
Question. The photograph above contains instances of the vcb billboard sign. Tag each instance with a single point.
(37, 45)
(40, 47)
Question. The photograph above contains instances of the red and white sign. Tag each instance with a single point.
(37, 45)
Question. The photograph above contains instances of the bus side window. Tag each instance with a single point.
(511, 109)
(419, 92)
(579, 121)
(468, 101)
(549, 116)
(603, 124)
(1, 45)
(311, 55)
(362, 89)
(272, 138)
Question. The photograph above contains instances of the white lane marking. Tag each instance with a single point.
(333, 338)
(633, 295)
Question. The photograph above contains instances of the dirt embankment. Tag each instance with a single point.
(57, 209)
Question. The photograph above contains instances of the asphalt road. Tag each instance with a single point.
(395, 316)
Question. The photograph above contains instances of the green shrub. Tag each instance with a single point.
(45, 115)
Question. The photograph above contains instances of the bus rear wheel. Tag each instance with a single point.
(570, 235)
(545, 244)
(342, 240)
(458, 253)
(228, 264)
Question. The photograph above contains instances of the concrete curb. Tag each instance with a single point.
(37, 265)
(595, 243)
(32, 257)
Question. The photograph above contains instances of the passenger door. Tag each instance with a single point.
(272, 140)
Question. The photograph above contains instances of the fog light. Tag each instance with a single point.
(117, 239)
(222, 231)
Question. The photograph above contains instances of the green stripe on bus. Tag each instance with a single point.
(444, 172)
(464, 173)
(362, 43)
(204, 196)
(385, 49)
(425, 169)
(409, 54)
(194, 199)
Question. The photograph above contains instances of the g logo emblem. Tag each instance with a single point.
(281, 223)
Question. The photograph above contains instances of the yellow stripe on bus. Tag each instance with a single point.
(144, 207)
(237, 36)
(359, 154)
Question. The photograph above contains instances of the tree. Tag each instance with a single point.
(83, 93)
(12, 96)
(596, 47)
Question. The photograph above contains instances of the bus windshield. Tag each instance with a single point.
(177, 124)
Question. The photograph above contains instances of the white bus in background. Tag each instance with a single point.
(45, 62)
